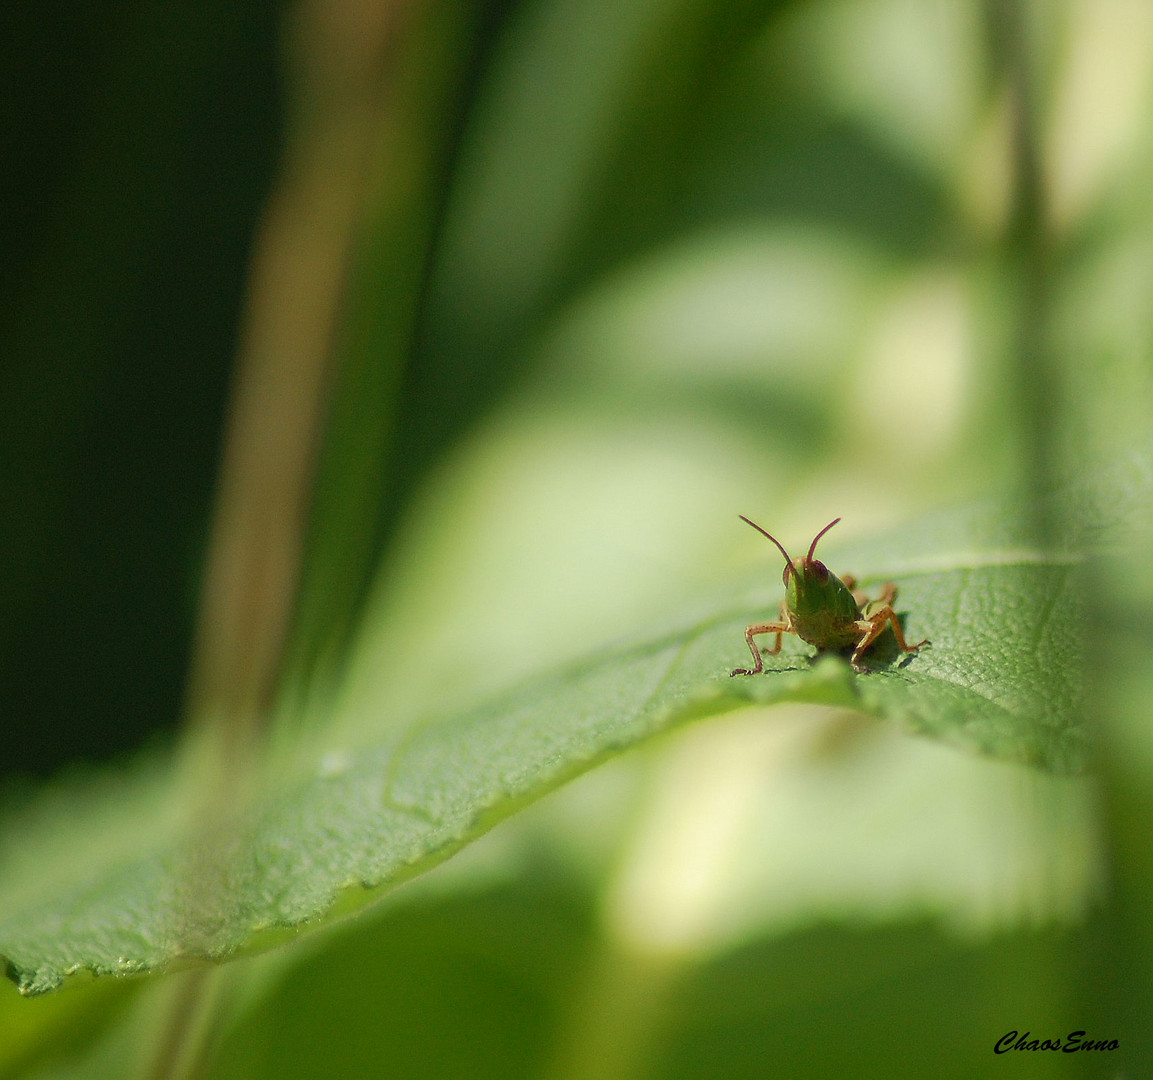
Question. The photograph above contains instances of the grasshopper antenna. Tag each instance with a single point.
(813, 545)
(780, 547)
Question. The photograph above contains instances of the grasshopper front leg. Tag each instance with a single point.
(781, 626)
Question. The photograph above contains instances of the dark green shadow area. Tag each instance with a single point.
(482, 986)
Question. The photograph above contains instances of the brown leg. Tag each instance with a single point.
(873, 626)
(780, 627)
(888, 594)
(783, 619)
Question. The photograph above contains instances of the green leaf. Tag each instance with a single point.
(1002, 677)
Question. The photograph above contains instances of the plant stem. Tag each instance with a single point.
(295, 296)
(1035, 380)
(617, 1016)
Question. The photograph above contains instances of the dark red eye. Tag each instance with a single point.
(819, 570)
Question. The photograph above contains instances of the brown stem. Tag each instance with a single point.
(295, 291)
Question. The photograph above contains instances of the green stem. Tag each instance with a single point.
(617, 1017)
(1035, 381)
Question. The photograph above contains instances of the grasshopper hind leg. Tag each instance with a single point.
(873, 626)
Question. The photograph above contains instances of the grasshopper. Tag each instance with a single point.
(825, 610)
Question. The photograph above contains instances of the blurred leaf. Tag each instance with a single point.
(58, 1025)
(476, 987)
(1000, 678)
(461, 986)
(880, 1002)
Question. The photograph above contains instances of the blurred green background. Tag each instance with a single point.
(590, 279)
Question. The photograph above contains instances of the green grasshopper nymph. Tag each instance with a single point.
(825, 610)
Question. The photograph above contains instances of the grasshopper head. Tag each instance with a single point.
(810, 589)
